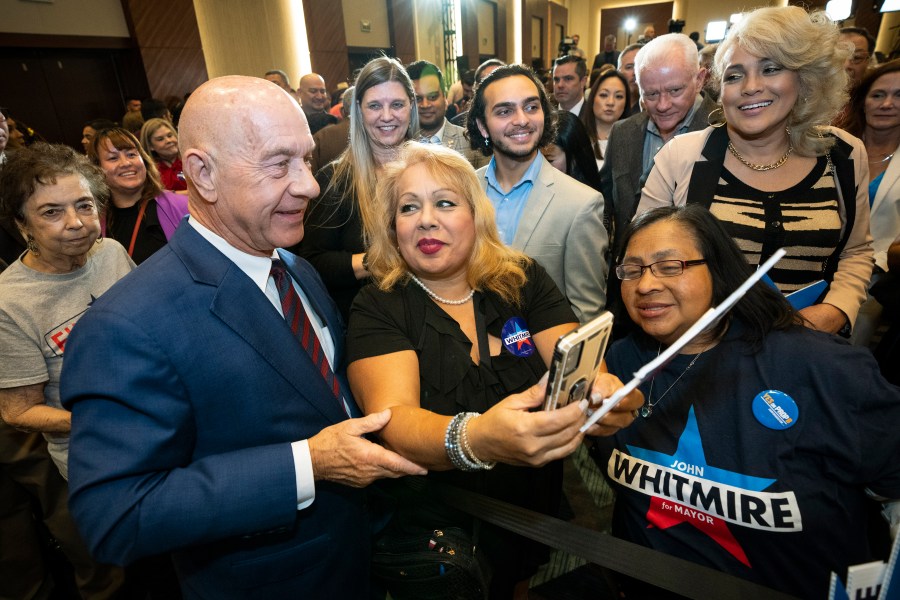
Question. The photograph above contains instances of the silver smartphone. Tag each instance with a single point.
(576, 360)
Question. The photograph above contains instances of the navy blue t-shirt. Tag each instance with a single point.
(776, 498)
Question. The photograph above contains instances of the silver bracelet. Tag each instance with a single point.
(467, 449)
(453, 445)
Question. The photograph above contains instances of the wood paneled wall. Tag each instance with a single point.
(167, 35)
(327, 41)
(532, 9)
(557, 15)
(659, 14)
(470, 33)
(403, 22)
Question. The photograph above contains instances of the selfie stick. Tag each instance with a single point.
(709, 319)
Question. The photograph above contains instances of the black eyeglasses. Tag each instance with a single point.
(662, 268)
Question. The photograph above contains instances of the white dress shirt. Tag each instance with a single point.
(258, 269)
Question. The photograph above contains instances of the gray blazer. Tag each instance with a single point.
(454, 137)
(562, 229)
(620, 176)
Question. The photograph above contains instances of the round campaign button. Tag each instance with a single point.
(516, 337)
(775, 410)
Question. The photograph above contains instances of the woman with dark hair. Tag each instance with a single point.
(609, 100)
(759, 436)
(383, 115)
(90, 129)
(570, 151)
(54, 196)
(873, 115)
(772, 170)
(141, 215)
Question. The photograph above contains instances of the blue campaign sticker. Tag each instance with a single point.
(516, 337)
(775, 410)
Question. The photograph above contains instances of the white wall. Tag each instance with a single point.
(64, 17)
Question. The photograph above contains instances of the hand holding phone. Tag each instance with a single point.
(576, 362)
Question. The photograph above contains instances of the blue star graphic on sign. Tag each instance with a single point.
(690, 458)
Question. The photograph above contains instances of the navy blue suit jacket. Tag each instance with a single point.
(186, 389)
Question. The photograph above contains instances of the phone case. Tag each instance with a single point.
(576, 360)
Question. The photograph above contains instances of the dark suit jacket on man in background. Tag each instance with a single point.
(330, 142)
(622, 176)
(205, 388)
(455, 138)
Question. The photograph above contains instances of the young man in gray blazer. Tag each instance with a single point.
(541, 211)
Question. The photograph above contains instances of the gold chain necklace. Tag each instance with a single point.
(755, 167)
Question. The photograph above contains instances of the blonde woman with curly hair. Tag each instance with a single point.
(457, 325)
(772, 170)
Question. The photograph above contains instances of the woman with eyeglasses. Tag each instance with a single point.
(761, 444)
(383, 116)
(772, 170)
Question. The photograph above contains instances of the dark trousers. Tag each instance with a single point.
(30, 483)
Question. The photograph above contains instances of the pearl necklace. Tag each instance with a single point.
(441, 299)
(647, 409)
(755, 167)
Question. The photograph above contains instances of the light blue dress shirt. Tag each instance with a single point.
(653, 142)
(509, 205)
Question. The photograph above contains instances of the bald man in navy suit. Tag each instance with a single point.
(201, 425)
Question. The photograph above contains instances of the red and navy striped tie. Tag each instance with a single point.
(300, 324)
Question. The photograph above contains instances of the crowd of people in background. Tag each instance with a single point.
(420, 222)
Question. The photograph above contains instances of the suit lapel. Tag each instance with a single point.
(632, 140)
(242, 307)
(891, 176)
(536, 204)
(705, 174)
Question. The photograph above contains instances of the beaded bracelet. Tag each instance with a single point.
(467, 449)
(452, 442)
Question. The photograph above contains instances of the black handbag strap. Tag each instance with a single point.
(659, 569)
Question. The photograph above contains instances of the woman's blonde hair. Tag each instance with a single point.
(149, 128)
(355, 168)
(806, 43)
(492, 266)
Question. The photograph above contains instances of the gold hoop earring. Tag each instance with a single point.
(716, 122)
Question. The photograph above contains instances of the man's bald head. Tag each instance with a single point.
(244, 143)
(219, 116)
(312, 92)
